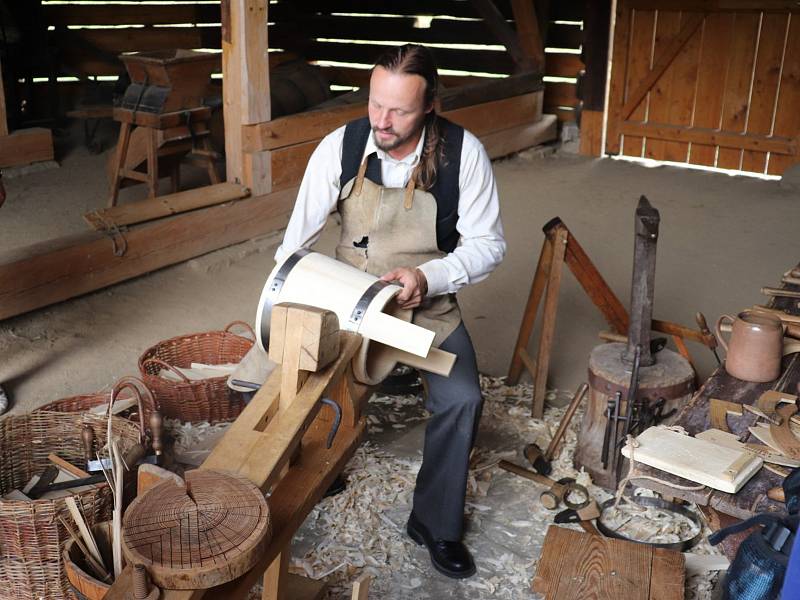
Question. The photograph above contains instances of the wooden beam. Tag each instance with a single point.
(507, 141)
(497, 24)
(714, 137)
(665, 60)
(171, 204)
(530, 39)
(245, 89)
(25, 146)
(56, 270)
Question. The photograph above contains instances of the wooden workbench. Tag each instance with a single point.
(695, 417)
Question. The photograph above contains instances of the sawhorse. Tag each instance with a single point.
(561, 247)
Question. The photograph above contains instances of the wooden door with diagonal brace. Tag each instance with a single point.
(707, 82)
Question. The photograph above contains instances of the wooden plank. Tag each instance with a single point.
(787, 111)
(697, 135)
(619, 66)
(669, 23)
(52, 271)
(665, 58)
(562, 65)
(736, 99)
(171, 204)
(591, 132)
(359, 77)
(380, 28)
(667, 575)
(496, 23)
(639, 68)
(527, 25)
(510, 115)
(25, 146)
(454, 8)
(765, 85)
(489, 61)
(146, 39)
(553, 287)
(507, 141)
(129, 14)
(711, 81)
(682, 88)
(540, 278)
(275, 578)
(561, 94)
(245, 89)
(299, 128)
(574, 564)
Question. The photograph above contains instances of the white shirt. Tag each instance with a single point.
(482, 245)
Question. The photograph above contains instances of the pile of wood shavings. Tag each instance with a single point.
(363, 529)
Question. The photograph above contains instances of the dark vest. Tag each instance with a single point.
(445, 189)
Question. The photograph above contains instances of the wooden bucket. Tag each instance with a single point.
(363, 304)
(84, 585)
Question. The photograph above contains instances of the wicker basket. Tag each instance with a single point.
(31, 537)
(82, 403)
(201, 400)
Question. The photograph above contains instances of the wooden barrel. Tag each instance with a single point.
(296, 86)
(83, 584)
(670, 378)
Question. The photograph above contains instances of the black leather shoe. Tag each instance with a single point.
(449, 558)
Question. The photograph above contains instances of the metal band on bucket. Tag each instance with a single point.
(363, 303)
(275, 289)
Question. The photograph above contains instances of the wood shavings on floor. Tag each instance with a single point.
(363, 529)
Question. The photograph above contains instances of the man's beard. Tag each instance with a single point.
(396, 142)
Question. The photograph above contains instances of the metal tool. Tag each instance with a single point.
(700, 318)
(643, 283)
(541, 461)
(633, 388)
(612, 410)
(38, 491)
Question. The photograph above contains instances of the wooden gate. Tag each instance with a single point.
(714, 82)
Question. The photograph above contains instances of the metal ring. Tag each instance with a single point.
(275, 288)
(363, 304)
(654, 503)
(576, 488)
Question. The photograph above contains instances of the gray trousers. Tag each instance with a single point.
(455, 403)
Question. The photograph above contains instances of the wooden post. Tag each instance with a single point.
(245, 89)
(528, 32)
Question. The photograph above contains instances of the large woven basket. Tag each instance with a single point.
(31, 535)
(200, 400)
(124, 388)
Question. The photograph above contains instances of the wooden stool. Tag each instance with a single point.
(170, 135)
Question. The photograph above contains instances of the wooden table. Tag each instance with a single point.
(721, 508)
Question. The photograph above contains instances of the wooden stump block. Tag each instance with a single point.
(196, 536)
(671, 377)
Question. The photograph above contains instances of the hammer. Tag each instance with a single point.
(541, 460)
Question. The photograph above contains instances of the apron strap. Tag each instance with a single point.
(408, 199)
(362, 170)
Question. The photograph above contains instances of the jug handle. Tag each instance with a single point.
(718, 331)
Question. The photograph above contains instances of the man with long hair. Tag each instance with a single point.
(419, 207)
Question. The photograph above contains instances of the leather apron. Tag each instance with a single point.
(384, 228)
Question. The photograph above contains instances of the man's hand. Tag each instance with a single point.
(415, 286)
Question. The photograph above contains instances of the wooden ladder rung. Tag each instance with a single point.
(131, 174)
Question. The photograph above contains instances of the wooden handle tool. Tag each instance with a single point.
(157, 432)
(779, 292)
(565, 421)
(87, 437)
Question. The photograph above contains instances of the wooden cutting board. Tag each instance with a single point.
(578, 566)
(725, 469)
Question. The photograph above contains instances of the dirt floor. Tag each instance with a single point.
(722, 238)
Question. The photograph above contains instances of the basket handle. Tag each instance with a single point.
(168, 366)
(249, 329)
(142, 393)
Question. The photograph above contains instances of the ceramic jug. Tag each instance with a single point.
(755, 348)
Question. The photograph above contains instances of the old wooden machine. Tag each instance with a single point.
(162, 115)
(215, 536)
(637, 383)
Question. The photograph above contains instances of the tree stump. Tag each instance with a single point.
(205, 533)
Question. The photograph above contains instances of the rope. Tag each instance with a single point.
(631, 443)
